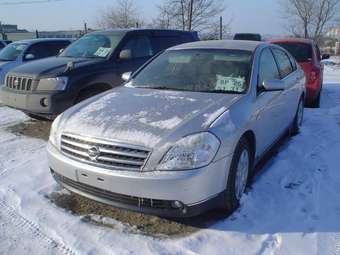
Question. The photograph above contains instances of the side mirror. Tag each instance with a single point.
(274, 85)
(126, 76)
(125, 55)
(29, 57)
(325, 56)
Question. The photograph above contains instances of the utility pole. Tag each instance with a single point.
(221, 28)
(85, 27)
(190, 14)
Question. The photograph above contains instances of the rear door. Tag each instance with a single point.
(269, 106)
(292, 79)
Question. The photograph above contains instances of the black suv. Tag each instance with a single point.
(93, 64)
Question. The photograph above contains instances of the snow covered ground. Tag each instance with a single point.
(293, 207)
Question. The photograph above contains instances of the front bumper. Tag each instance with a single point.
(150, 192)
(35, 102)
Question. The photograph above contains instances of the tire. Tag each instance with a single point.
(298, 119)
(37, 117)
(86, 94)
(232, 194)
(316, 102)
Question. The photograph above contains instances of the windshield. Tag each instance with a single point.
(215, 71)
(93, 46)
(12, 51)
(301, 52)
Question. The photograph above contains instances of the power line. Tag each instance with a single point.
(6, 2)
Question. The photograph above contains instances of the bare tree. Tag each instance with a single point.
(190, 14)
(124, 14)
(310, 18)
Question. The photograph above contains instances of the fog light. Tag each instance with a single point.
(177, 204)
(44, 102)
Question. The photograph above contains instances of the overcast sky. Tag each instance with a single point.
(262, 16)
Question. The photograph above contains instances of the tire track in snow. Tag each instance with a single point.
(22, 223)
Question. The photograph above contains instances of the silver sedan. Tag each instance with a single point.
(183, 134)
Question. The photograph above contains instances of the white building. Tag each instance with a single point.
(334, 33)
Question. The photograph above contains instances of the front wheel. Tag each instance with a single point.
(240, 169)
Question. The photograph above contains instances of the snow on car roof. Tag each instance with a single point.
(221, 44)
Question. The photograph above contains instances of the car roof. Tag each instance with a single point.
(221, 44)
(293, 40)
(130, 30)
(30, 41)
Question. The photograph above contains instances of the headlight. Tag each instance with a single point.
(55, 132)
(191, 152)
(52, 84)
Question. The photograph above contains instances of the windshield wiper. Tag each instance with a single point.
(161, 88)
(221, 91)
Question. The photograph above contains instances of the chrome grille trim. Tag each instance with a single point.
(19, 83)
(111, 155)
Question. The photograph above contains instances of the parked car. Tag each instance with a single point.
(20, 52)
(248, 37)
(91, 65)
(4, 43)
(184, 133)
(308, 55)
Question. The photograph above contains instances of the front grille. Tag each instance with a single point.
(106, 154)
(137, 202)
(19, 83)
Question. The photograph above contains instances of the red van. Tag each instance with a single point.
(307, 54)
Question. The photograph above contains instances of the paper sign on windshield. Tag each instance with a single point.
(236, 84)
(102, 52)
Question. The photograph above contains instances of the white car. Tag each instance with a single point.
(183, 135)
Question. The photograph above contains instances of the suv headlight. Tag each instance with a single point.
(53, 84)
(194, 151)
(55, 132)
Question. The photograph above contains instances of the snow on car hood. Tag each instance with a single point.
(51, 66)
(145, 116)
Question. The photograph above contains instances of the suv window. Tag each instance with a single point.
(284, 63)
(164, 42)
(302, 52)
(268, 68)
(46, 49)
(140, 47)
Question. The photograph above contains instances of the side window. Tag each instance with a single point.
(53, 48)
(268, 68)
(140, 47)
(38, 50)
(284, 63)
(2, 45)
(293, 62)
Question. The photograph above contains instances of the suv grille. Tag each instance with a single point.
(19, 83)
(103, 153)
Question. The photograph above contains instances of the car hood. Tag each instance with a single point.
(145, 117)
(6, 66)
(51, 67)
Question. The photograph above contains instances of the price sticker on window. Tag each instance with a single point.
(236, 84)
(102, 52)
